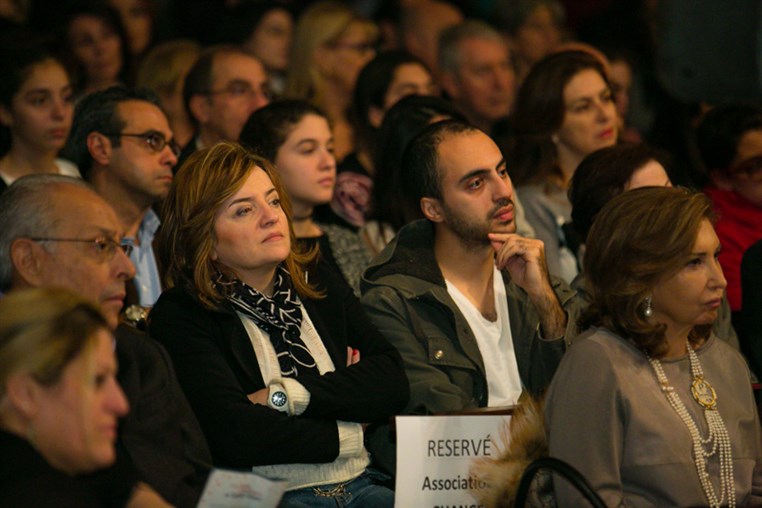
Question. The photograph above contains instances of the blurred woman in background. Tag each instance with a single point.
(137, 17)
(606, 173)
(163, 70)
(35, 110)
(386, 79)
(389, 209)
(60, 404)
(265, 30)
(95, 39)
(534, 29)
(564, 111)
(331, 45)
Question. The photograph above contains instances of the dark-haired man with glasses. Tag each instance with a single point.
(124, 146)
(222, 89)
(58, 232)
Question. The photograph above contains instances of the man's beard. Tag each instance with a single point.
(472, 234)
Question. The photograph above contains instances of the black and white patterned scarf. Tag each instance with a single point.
(280, 316)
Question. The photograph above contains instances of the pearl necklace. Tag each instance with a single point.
(716, 440)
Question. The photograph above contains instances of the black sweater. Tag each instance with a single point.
(217, 367)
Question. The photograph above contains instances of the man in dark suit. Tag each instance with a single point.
(58, 232)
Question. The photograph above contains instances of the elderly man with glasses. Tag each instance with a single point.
(57, 232)
(123, 145)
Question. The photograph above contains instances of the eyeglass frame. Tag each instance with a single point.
(147, 136)
(100, 243)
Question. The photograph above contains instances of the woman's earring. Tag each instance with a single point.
(554, 139)
(648, 311)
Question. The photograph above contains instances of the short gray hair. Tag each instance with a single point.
(26, 210)
(448, 50)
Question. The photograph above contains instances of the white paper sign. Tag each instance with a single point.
(434, 454)
(240, 489)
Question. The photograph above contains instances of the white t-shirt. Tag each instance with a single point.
(495, 343)
(65, 168)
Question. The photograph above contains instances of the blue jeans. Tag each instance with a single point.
(362, 492)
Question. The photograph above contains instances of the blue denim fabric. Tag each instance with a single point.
(362, 492)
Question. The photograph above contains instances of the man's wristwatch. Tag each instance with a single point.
(277, 398)
(136, 316)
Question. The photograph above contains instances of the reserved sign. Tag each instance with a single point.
(434, 454)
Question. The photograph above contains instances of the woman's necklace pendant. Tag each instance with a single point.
(703, 392)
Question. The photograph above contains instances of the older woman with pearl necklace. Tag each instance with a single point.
(649, 405)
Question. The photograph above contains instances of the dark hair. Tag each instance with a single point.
(539, 113)
(370, 91)
(236, 24)
(198, 81)
(109, 16)
(267, 128)
(601, 176)
(97, 112)
(720, 131)
(510, 15)
(18, 56)
(639, 239)
(420, 162)
(20, 52)
(403, 122)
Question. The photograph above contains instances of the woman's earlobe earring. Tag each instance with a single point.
(554, 139)
(648, 310)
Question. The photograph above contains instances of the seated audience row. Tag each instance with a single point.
(246, 260)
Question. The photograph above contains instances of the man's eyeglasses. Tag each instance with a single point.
(104, 247)
(155, 141)
(240, 89)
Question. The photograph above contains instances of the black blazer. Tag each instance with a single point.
(217, 368)
(160, 434)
